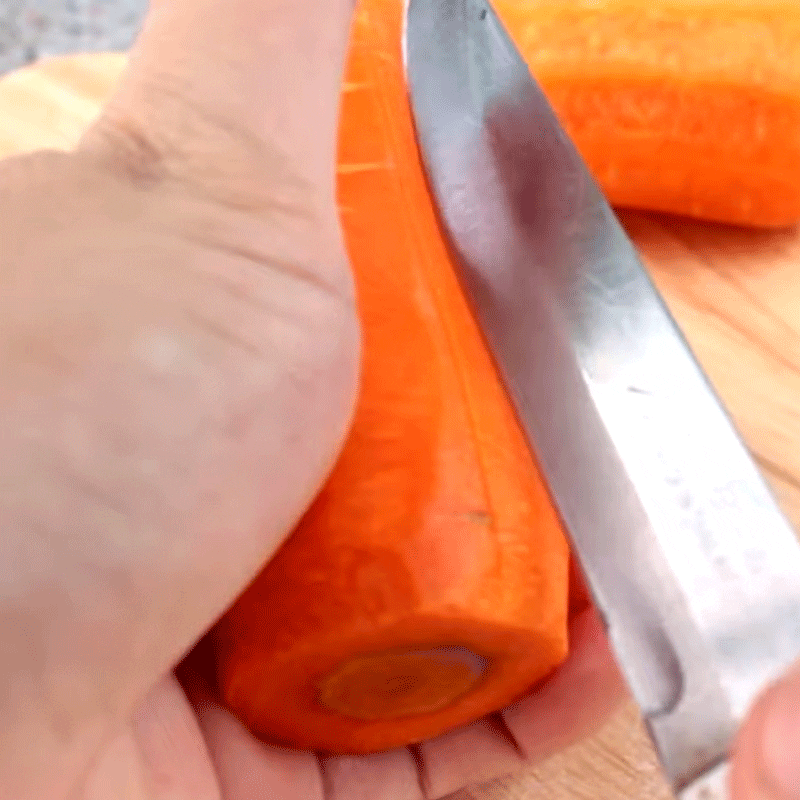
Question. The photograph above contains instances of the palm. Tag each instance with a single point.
(194, 750)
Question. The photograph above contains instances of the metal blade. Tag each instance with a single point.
(34, 29)
(691, 562)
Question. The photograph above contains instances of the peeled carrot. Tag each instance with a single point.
(427, 585)
(683, 106)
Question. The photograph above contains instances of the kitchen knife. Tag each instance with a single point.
(691, 564)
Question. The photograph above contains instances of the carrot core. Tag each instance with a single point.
(400, 684)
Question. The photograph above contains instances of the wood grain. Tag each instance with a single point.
(736, 294)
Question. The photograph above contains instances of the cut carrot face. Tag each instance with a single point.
(683, 106)
(428, 583)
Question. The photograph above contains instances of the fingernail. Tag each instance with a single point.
(780, 740)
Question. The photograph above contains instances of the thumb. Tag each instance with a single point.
(766, 760)
(178, 349)
(240, 96)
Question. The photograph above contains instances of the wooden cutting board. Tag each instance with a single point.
(736, 293)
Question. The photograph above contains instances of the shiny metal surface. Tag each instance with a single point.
(690, 560)
(712, 785)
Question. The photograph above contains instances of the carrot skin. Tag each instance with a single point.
(432, 567)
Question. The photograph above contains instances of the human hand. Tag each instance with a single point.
(766, 759)
(178, 334)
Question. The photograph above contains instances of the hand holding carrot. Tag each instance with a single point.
(178, 332)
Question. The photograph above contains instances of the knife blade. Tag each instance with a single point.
(692, 565)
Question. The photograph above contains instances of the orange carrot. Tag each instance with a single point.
(427, 585)
(684, 106)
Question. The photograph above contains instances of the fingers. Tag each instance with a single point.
(288, 774)
(171, 746)
(384, 776)
(570, 705)
(580, 695)
(235, 87)
(248, 769)
(766, 759)
(577, 699)
(474, 754)
(159, 755)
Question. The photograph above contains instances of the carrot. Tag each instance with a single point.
(683, 106)
(427, 585)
